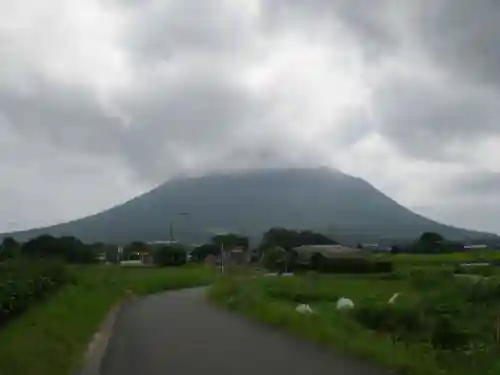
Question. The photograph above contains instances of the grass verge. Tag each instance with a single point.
(273, 301)
(51, 337)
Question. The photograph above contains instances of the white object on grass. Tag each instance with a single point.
(394, 298)
(344, 303)
(303, 309)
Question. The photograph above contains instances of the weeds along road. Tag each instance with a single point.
(181, 333)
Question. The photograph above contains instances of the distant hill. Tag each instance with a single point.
(347, 208)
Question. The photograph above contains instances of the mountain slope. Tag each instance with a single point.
(343, 206)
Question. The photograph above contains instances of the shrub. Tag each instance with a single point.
(438, 326)
(349, 265)
(447, 334)
(382, 267)
(24, 282)
(482, 292)
(400, 321)
(170, 256)
(275, 258)
(476, 270)
(425, 279)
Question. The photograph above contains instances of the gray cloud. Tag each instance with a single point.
(216, 85)
(462, 37)
(477, 184)
(425, 119)
(190, 116)
(365, 19)
(164, 29)
(63, 115)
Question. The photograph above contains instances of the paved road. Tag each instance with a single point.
(180, 333)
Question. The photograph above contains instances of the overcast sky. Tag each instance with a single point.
(103, 100)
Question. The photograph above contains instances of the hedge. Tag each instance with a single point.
(342, 265)
(23, 283)
(349, 265)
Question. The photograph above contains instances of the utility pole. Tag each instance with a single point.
(222, 258)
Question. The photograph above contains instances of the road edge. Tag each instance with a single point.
(97, 347)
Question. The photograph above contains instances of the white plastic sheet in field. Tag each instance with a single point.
(394, 298)
(304, 309)
(345, 303)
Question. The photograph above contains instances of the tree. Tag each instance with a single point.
(170, 256)
(288, 239)
(317, 261)
(430, 242)
(291, 260)
(9, 248)
(68, 248)
(201, 252)
(132, 250)
(40, 247)
(431, 238)
(229, 240)
(275, 258)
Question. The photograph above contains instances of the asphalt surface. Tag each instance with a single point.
(180, 333)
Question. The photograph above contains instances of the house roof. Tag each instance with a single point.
(327, 250)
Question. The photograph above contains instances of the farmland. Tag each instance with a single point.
(440, 324)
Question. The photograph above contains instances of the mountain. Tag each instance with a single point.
(347, 208)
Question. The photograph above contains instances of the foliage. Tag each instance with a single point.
(131, 251)
(172, 255)
(230, 240)
(323, 264)
(440, 324)
(67, 248)
(426, 279)
(22, 283)
(9, 249)
(50, 338)
(201, 252)
(288, 239)
(431, 238)
(274, 258)
(481, 270)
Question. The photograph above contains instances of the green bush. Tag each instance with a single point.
(275, 258)
(485, 271)
(170, 256)
(483, 292)
(437, 326)
(402, 322)
(349, 265)
(427, 279)
(24, 282)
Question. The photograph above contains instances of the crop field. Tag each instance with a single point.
(439, 324)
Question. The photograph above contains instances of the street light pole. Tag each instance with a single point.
(222, 257)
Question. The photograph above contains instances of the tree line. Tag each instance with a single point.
(72, 250)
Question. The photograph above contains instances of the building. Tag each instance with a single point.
(238, 256)
(305, 252)
(476, 247)
(234, 256)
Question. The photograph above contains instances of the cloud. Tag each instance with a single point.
(461, 37)
(435, 120)
(162, 29)
(361, 20)
(101, 101)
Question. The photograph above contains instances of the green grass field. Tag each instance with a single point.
(273, 301)
(52, 336)
(436, 259)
